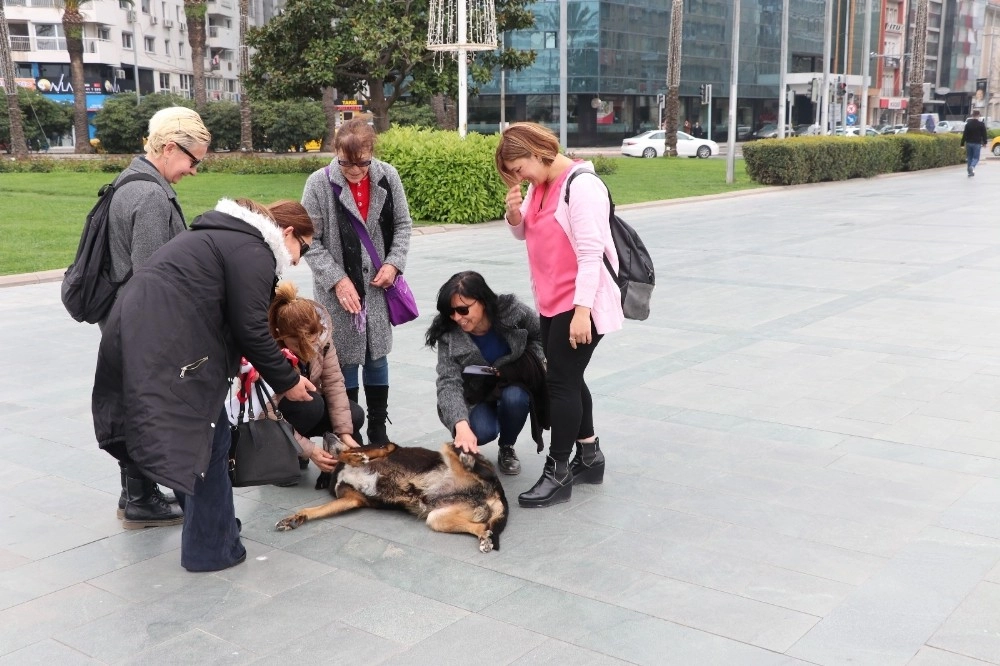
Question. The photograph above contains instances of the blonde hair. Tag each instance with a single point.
(294, 317)
(179, 124)
(524, 140)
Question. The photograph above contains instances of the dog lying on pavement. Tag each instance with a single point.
(454, 492)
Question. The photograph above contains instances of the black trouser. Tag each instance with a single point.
(571, 408)
(311, 419)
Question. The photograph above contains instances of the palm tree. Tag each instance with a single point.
(72, 22)
(18, 144)
(918, 51)
(195, 11)
(674, 75)
(246, 129)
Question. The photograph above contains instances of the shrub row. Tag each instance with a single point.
(816, 159)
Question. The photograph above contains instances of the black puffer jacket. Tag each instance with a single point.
(175, 336)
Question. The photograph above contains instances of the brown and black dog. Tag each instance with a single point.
(454, 492)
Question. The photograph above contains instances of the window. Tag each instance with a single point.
(164, 82)
(145, 6)
(550, 40)
(150, 44)
(124, 4)
(180, 14)
(127, 41)
(180, 49)
(187, 81)
(49, 37)
(166, 46)
(104, 34)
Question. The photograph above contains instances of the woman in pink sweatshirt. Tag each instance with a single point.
(578, 300)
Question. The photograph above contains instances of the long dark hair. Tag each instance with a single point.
(468, 284)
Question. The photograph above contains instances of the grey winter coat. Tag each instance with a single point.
(457, 350)
(326, 256)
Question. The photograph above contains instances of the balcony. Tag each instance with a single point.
(50, 43)
(18, 43)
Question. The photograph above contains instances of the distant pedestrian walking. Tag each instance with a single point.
(974, 137)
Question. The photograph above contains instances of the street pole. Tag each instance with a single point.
(783, 72)
(463, 70)
(734, 70)
(866, 67)
(824, 100)
(563, 76)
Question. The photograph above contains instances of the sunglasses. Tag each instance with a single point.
(361, 165)
(194, 160)
(462, 310)
(303, 246)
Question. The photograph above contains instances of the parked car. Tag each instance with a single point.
(654, 143)
(770, 131)
(994, 146)
(946, 126)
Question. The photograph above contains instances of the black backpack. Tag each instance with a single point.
(635, 275)
(87, 289)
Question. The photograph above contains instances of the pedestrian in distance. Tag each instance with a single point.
(172, 341)
(687, 126)
(142, 217)
(697, 131)
(974, 137)
(578, 301)
(347, 284)
(490, 368)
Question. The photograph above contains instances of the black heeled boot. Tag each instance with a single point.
(555, 486)
(145, 507)
(352, 395)
(169, 498)
(587, 465)
(377, 398)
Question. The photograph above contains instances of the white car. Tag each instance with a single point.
(654, 143)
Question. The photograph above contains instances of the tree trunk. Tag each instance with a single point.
(196, 11)
(18, 144)
(445, 112)
(378, 105)
(918, 54)
(72, 22)
(246, 128)
(674, 76)
(331, 113)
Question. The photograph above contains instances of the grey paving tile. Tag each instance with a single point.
(471, 639)
(404, 618)
(558, 652)
(47, 651)
(333, 642)
(193, 647)
(976, 511)
(973, 630)
(928, 656)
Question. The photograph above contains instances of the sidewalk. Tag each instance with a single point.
(803, 450)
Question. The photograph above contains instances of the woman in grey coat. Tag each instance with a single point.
(357, 186)
(490, 369)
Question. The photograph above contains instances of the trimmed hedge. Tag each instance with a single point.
(815, 159)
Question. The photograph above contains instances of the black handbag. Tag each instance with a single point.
(264, 451)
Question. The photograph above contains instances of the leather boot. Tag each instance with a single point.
(377, 398)
(167, 497)
(587, 465)
(555, 486)
(144, 507)
(507, 461)
(352, 395)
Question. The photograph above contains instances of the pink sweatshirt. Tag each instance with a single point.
(585, 221)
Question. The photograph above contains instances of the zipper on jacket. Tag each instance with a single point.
(192, 366)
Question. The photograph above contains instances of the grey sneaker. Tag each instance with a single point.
(507, 461)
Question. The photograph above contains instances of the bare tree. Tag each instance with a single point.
(918, 54)
(18, 144)
(674, 75)
(72, 22)
(246, 128)
(196, 11)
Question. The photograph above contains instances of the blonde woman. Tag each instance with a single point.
(144, 215)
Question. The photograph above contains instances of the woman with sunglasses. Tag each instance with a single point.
(144, 215)
(490, 369)
(577, 299)
(359, 190)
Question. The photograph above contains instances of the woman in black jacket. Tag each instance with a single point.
(490, 372)
(171, 344)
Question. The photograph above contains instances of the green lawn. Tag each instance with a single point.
(41, 214)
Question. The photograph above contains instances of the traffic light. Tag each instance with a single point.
(842, 89)
(706, 93)
(701, 92)
(661, 99)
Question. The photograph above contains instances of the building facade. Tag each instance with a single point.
(127, 46)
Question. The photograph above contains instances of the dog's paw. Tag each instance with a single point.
(293, 521)
(485, 542)
(323, 480)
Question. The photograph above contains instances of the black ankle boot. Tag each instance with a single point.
(555, 486)
(122, 498)
(168, 497)
(587, 465)
(507, 461)
(144, 506)
(377, 398)
(352, 395)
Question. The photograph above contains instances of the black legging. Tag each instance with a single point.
(310, 418)
(570, 404)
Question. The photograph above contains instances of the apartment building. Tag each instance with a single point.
(127, 47)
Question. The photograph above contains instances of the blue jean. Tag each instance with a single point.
(210, 539)
(504, 417)
(972, 151)
(376, 372)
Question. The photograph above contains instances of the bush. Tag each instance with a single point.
(223, 120)
(448, 179)
(816, 159)
(42, 120)
(50, 165)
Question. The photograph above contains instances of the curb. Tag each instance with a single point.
(21, 279)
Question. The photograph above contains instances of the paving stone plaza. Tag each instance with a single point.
(803, 448)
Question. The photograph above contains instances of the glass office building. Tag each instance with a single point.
(617, 65)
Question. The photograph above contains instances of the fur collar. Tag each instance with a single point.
(267, 228)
